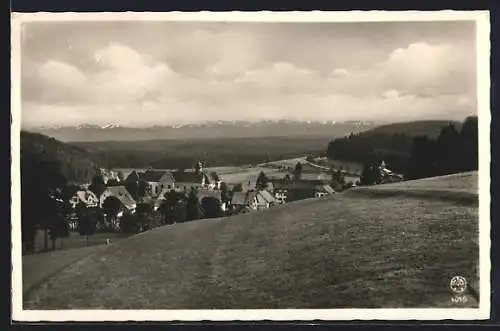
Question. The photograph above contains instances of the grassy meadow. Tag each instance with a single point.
(351, 250)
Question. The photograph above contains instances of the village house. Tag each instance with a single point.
(269, 187)
(108, 175)
(387, 175)
(244, 201)
(281, 195)
(186, 181)
(293, 190)
(252, 200)
(120, 192)
(264, 199)
(157, 181)
(238, 200)
(86, 197)
(323, 191)
(250, 183)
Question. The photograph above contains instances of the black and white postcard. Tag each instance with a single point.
(250, 166)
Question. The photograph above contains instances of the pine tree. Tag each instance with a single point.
(368, 175)
(192, 206)
(298, 170)
(262, 181)
(97, 186)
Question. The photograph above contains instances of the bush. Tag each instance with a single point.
(134, 223)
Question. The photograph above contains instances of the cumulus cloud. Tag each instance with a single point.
(127, 76)
(229, 75)
(118, 58)
(53, 81)
(61, 75)
(431, 69)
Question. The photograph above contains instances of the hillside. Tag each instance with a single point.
(394, 143)
(75, 163)
(349, 251)
(415, 128)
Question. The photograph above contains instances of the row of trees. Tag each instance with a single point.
(451, 152)
(42, 201)
(367, 148)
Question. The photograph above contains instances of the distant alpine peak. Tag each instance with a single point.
(86, 126)
(110, 126)
(245, 123)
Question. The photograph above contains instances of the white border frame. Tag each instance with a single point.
(483, 96)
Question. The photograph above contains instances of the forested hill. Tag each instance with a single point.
(392, 143)
(74, 163)
(430, 128)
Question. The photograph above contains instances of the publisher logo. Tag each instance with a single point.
(458, 284)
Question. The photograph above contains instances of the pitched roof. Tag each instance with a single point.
(251, 195)
(168, 176)
(239, 198)
(266, 195)
(188, 177)
(155, 176)
(86, 196)
(329, 189)
(122, 194)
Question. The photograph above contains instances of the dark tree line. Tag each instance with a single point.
(367, 147)
(42, 200)
(453, 151)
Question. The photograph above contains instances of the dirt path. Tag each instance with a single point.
(38, 268)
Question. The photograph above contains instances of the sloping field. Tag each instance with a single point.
(245, 174)
(38, 267)
(463, 186)
(465, 182)
(349, 251)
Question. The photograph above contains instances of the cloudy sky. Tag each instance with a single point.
(154, 73)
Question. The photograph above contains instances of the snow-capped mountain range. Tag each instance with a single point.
(207, 130)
